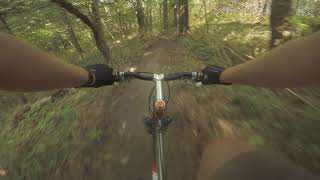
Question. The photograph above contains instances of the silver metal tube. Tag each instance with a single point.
(159, 89)
(159, 135)
(161, 156)
(158, 79)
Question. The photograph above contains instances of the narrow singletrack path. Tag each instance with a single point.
(128, 144)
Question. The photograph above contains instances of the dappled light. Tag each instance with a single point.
(2, 172)
(148, 53)
(228, 129)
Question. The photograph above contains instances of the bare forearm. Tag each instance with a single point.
(294, 64)
(25, 68)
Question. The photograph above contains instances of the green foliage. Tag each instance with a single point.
(95, 135)
(40, 140)
(256, 140)
(38, 162)
(46, 33)
(67, 115)
(200, 48)
(311, 125)
(254, 103)
(91, 58)
(128, 52)
(234, 39)
(304, 25)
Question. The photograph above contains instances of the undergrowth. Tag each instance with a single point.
(34, 144)
(266, 117)
(38, 138)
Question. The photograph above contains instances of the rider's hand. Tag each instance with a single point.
(99, 75)
(211, 75)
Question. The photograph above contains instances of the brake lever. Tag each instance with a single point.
(193, 82)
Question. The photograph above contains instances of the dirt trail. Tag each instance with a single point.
(129, 146)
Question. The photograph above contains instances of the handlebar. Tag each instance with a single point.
(146, 76)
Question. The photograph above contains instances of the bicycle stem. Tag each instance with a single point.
(158, 80)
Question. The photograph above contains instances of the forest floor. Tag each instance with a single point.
(99, 134)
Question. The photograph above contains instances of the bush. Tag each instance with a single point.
(200, 48)
(304, 25)
(310, 127)
(92, 58)
(253, 103)
(256, 140)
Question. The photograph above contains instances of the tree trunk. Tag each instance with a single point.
(297, 5)
(265, 7)
(95, 25)
(123, 27)
(175, 13)
(140, 16)
(160, 13)
(150, 19)
(72, 35)
(99, 33)
(281, 11)
(204, 2)
(105, 26)
(165, 15)
(4, 25)
(187, 27)
(183, 17)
